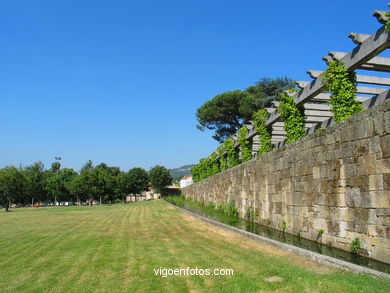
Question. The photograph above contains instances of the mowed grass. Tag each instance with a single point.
(116, 249)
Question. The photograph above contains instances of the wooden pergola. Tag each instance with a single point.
(372, 89)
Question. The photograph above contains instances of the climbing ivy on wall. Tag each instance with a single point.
(293, 117)
(232, 153)
(195, 171)
(222, 158)
(259, 119)
(342, 84)
(205, 168)
(387, 26)
(245, 144)
(214, 164)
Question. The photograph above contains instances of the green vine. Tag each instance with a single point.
(342, 84)
(214, 164)
(293, 117)
(265, 133)
(232, 153)
(195, 171)
(223, 165)
(387, 26)
(245, 144)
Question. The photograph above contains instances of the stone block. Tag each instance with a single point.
(367, 164)
(383, 166)
(320, 223)
(347, 134)
(386, 181)
(342, 214)
(316, 172)
(384, 220)
(385, 145)
(353, 197)
(379, 241)
(382, 212)
(362, 215)
(377, 199)
(381, 253)
(348, 170)
(374, 145)
(375, 182)
(377, 231)
(333, 227)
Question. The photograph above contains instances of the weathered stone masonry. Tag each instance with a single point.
(336, 179)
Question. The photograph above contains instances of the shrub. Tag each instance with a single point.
(283, 225)
(232, 210)
(355, 246)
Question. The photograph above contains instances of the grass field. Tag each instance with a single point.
(116, 249)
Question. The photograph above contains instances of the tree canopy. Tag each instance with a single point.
(11, 186)
(160, 177)
(227, 112)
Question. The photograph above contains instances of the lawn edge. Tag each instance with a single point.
(320, 258)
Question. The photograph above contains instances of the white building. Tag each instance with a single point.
(185, 181)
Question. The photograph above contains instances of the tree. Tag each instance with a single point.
(34, 176)
(11, 186)
(84, 186)
(137, 179)
(105, 181)
(222, 114)
(160, 177)
(227, 112)
(57, 184)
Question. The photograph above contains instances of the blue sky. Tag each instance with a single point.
(120, 81)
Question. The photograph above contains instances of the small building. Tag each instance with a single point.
(185, 181)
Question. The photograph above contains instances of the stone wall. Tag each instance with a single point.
(336, 180)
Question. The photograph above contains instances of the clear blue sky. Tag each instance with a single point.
(120, 81)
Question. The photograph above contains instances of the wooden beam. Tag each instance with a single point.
(325, 97)
(302, 84)
(270, 110)
(380, 16)
(318, 113)
(385, 95)
(314, 73)
(366, 79)
(358, 38)
(374, 64)
(369, 90)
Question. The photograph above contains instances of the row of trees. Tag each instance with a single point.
(26, 185)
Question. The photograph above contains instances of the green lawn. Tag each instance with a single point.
(116, 249)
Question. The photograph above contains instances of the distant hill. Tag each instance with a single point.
(181, 171)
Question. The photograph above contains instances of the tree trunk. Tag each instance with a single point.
(8, 204)
(100, 200)
(32, 203)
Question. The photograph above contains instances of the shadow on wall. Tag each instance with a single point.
(170, 191)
